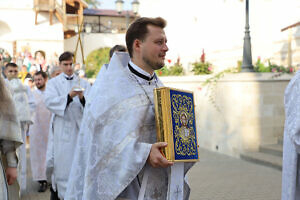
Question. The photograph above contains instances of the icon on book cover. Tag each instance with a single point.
(175, 122)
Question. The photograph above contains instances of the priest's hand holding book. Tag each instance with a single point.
(155, 158)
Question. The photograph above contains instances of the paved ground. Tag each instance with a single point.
(220, 177)
(215, 177)
(32, 186)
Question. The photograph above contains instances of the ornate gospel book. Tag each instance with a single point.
(175, 124)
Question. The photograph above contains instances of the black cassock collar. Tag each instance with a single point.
(147, 78)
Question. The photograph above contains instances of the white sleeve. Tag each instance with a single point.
(8, 148)
(31, 100)
(292, 109)
(54, 102)
(50, 153)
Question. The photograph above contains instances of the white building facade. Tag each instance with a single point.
(18, 32)
(218, 26)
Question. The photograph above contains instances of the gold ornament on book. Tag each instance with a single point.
(176, 124)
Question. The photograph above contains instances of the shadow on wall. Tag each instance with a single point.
(43, 17)
(251, 113)
(5, 29)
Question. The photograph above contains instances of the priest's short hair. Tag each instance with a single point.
(66, 56)
(138, 30)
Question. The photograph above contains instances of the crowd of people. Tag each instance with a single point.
(34, 119)
(90, 142)
(98, 142)
(28, 65)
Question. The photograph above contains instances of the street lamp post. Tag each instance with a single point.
(135, 8)
(247, 56)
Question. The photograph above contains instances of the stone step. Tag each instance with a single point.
(273, 149)
(263, 159)
(280, 140)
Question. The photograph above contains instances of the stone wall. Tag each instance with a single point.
(239, 113)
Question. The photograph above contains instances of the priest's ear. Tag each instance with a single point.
(136, 46)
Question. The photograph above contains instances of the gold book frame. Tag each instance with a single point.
(163, 118)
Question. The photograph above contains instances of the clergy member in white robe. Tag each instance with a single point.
(24, 102)
(50, 157)
(10, 140)
(117, 141)
(101, 73)
(65, 98)
(39, 132)
(291, 146)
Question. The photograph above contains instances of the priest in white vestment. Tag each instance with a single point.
(117, 140)
(101, 73)
(65, 98)
(291, 141)
(39, 132)
(24, 102)
(10, 140)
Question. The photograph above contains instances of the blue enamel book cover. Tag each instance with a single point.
(176, 124)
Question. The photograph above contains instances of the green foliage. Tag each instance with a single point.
(260, 67)
(93, 3)
(211, 84)
(95, 60)
(219, 75)
(202, 68)
(271, 67)
(239, 66)
(175, 70)
(163, 71)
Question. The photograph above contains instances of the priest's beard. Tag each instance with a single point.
(153, 65)
(41, 87)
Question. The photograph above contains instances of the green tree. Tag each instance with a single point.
(95, 60)
(93, 3)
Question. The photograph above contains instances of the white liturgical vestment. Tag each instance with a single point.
(39, 137)
(65, 127)
(94, 88)
(115, 139)
(25, 104)
(10, 140)
(291, 146)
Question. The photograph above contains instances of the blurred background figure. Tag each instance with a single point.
(40, 61)
(81, 74)
(116, 48)
(66, 102)
(33, 70)
(29, 82)
(77, 68)
(23, 74)
(55, 71)
(10, 140)
(24, 103)
(39, 132)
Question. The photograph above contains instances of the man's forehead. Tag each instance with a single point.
(38, 76)
(11, 67)
(67, 61)
(156, 31)
(151, 29)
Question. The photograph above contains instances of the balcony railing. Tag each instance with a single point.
(68, 12)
